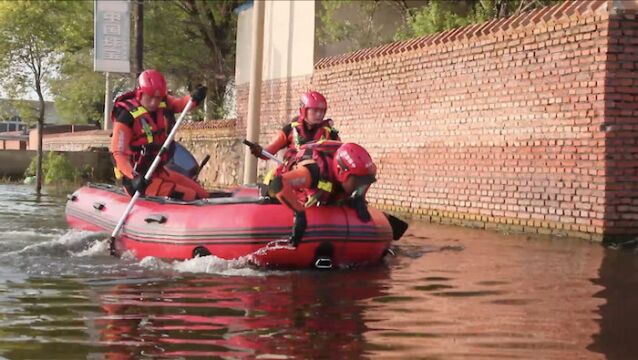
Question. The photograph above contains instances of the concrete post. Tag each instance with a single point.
(254, 95)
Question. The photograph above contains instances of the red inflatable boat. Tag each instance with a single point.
(230, 225)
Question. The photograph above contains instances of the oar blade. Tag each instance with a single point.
(398, 226)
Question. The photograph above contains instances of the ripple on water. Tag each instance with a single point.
(449, 293)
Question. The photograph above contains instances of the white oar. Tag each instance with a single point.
(148, 175)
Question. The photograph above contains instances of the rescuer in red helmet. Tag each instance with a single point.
(325, 172)
(308, 126)
(142, 120)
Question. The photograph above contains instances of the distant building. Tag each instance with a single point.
(14, 140)
(12, 125)
(10, 115)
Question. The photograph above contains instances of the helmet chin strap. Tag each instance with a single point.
(360, 191)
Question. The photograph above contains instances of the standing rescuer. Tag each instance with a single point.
(142, 120)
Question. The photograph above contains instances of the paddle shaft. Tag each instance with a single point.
(271, 157)
(265, 153)
(149, 174)
(201, 166)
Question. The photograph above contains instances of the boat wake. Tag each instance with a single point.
(211, 264)
(73, 242)
(205, 265)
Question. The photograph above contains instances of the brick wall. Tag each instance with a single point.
(13, 145)
(73, 141)
(279, 104)
(61, 130)
(508, 123)
(495, 123)
(621, 126)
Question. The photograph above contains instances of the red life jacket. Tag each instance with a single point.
(149, 133)
(299, 136)
(327, 189)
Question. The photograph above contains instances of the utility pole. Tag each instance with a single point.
(108, 102)
(254, 92)
(139, 37)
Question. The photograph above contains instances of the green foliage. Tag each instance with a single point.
(168, 46)
(32, 37)
(434, 16)
(45, 38)
(56, 169)
(362, 31)
(331, 29)
(191, 42)
(79, 91)
(485, 10)
(200, 46)
(27, 110)
(59, 169)
(438, 15)
(441, 15)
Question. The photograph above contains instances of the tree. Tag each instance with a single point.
(193, 41)
(441, 15)
(77, 90)
(361, 30)
(434, 17)
(31, 38)
(214, 23)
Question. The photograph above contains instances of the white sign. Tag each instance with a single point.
(112, 36)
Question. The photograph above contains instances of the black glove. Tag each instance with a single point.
(199, 94)
(139, 183)
(298, 228)
(255, 149)
(359, 204)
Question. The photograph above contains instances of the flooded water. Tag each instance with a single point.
(449, 293)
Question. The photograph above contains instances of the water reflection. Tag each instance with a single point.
(618, 275)
(298, 315)
(499, 297)
(451, 293)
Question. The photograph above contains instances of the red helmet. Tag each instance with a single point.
(152, 83)
(311, 100)
(352, 159)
